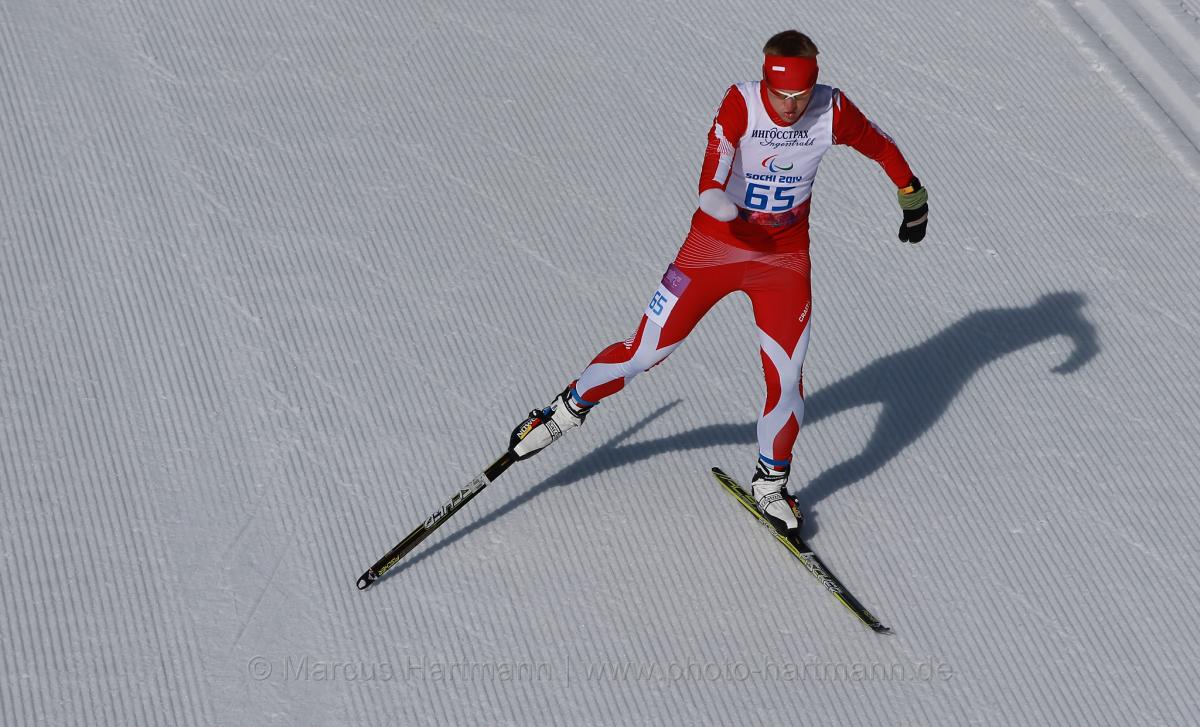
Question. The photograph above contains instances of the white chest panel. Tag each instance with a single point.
(775, 165)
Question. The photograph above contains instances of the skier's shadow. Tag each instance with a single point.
(915, 388)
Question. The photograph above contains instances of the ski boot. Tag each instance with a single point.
(768, 487)
(544, 426)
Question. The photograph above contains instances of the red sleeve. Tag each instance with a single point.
(853, 129)
(723, 138)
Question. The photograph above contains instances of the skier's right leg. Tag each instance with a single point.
(681, 300)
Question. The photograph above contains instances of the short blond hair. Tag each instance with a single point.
(791, 44)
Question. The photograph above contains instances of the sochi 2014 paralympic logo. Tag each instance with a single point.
(774, 167)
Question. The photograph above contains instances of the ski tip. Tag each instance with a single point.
(881, 629)
(366, 579)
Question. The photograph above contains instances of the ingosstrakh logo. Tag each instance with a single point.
(777, 138)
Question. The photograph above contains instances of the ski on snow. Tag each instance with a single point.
(791, 541)
(435, 520)
(804, 554)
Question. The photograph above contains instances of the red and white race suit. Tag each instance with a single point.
(768, 169)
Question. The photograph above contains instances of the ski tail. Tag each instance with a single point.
(456, 502)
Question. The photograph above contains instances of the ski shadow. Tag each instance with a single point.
(915, 388)
(608, 456)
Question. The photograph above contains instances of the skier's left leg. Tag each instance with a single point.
(782, 301)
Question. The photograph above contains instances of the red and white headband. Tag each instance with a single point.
(793, 74)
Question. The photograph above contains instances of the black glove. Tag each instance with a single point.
(914, 202)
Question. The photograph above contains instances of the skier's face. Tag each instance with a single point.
(789, 105)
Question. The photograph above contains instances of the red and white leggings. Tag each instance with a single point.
(705, 271)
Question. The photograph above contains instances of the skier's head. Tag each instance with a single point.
(790, 72)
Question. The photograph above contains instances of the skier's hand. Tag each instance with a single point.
(716, 204)
(914, 202)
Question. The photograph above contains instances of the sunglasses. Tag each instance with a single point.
(797, 96)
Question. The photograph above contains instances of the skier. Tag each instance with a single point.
(750, 233)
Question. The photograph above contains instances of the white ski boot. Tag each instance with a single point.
(544, 426)
(768, 487)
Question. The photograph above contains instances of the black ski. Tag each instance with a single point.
(805, 554)
(422, 531)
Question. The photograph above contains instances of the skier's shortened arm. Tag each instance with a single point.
(723, 137)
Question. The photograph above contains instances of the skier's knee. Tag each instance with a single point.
(644, 360)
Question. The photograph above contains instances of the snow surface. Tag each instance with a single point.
(279, 277)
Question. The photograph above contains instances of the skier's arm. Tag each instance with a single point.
(853, 129)
(723, 138)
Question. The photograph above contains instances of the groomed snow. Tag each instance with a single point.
(277, 278)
